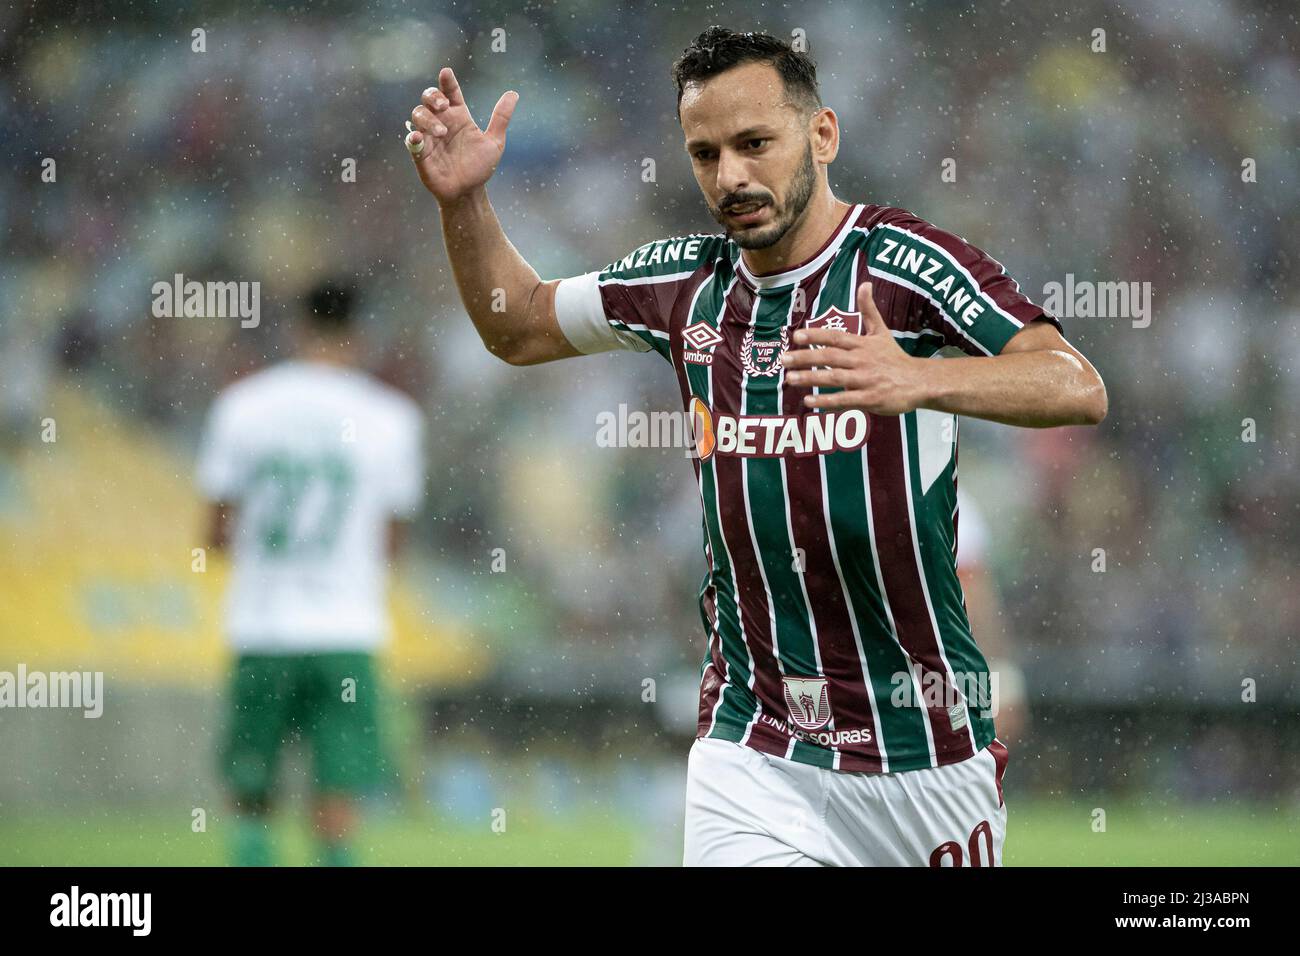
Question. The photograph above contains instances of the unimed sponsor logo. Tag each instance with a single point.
(75, 908)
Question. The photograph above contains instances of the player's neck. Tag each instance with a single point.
(821, 218)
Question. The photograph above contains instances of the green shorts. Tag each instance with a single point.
(273, 695)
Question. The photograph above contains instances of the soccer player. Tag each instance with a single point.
(841, 717)
(310, 465)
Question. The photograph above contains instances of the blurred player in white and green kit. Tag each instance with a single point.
(311, 465)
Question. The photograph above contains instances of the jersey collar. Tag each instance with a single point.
(771, 280)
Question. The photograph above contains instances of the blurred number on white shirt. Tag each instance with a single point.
(317, 460)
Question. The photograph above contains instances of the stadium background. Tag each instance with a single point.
(523, 690)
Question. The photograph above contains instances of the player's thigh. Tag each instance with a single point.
(341, 722)
(260, 718)
(961, 821)
(944, 816)
(743, 810)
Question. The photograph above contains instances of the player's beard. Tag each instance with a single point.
(801, 190)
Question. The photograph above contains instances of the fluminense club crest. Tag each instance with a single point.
(837, 321)
(808, 700)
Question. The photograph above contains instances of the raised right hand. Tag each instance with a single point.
(452, 155)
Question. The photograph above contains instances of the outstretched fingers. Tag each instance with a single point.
(450, 86)
(501, 114)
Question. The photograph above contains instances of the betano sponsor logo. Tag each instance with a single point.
(704, 433)
(775, 436)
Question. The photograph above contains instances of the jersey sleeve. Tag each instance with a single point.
(407, 475)
(962, 292)
(220, 466)
(629, 303)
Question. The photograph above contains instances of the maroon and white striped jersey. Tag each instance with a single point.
(837, 631)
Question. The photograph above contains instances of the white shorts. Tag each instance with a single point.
(745, 808)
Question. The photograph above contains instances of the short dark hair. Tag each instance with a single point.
(718, 49)
(329, 305)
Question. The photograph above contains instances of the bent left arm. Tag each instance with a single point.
(1038, 380)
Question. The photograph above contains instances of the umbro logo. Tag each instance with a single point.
(699, 337)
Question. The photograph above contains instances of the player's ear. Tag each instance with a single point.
(824, 133)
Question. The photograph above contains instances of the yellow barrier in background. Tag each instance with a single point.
(97, 531)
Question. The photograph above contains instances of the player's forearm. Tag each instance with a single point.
(499, 288)
(1033, 389)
